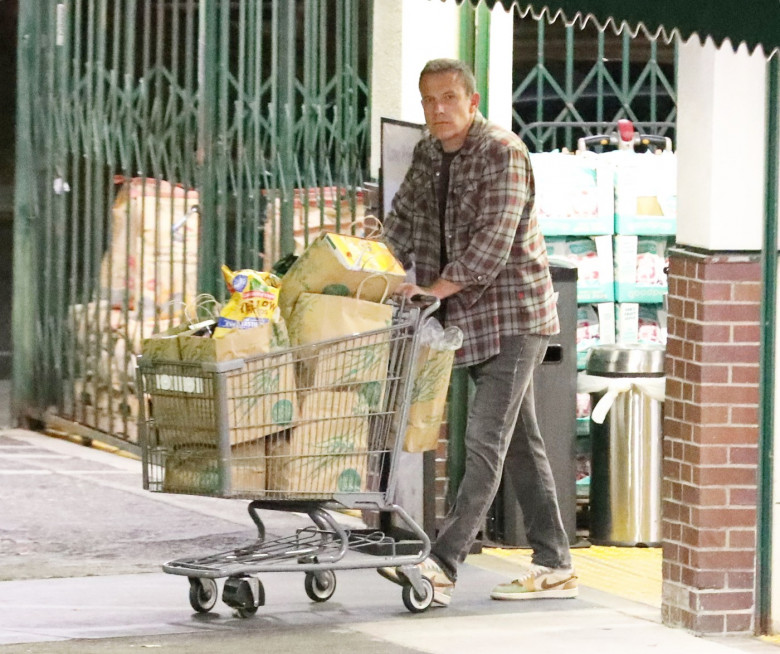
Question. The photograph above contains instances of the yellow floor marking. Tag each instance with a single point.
(630, 572)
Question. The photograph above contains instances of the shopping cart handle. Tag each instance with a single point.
(430, 303)
(585, 142)
(421, 298)
(659, 142)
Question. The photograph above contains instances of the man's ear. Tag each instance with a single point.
(474, 103)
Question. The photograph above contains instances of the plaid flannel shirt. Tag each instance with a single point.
(495, 249)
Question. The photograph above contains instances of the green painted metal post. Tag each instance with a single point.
(207, 134)
(285, 116)
(24, 315)
(482, 55)
(475, 50)
(768, 336)
(467, 33)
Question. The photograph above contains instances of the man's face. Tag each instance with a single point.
(449, 110)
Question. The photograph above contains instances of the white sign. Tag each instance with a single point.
(398, 141)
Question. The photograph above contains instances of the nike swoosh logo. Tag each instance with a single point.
(546, 586)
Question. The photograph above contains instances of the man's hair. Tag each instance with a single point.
(451, 66)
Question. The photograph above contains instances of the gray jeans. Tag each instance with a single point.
(502, 426)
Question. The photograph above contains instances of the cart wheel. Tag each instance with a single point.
(246, 611)
(203, 594)
(320, 586)
(244, 594)
(413, 601)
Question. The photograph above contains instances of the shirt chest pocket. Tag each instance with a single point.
(467, 201)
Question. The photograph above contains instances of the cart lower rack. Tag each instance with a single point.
(304, 429)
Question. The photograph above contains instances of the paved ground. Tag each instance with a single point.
(81, 545)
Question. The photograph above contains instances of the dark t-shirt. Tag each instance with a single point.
(441, 192)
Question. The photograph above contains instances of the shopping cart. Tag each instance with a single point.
(307, 429)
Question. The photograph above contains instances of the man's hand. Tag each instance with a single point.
(408, 290)
(440, 289)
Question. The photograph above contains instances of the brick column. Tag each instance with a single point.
(711, 442)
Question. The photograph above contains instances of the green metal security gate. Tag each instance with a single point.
(573, 80)
(156, 141)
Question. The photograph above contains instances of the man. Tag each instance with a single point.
(464, 216)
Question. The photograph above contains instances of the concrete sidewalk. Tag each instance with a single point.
(81, 544)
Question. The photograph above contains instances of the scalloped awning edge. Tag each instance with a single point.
(667, 31)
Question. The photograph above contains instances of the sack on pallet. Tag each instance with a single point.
(152, 258)
(341, 259)
(433, 368)
(327, 450)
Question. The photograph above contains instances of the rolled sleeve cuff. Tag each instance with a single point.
(472, 284)
(457, 273)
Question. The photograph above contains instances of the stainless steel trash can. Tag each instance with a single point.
(626, 448)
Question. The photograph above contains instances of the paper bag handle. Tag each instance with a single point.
(203, 301)
(365, 279)
(372, 227)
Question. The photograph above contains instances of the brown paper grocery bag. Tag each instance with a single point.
(429, 398)
(196, 470)
(326, 452)
(345, 260)
(262, 397)
(317, 318)
(248, 468)
(193, 470)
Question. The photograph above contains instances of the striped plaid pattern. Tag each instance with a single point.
(495, 249)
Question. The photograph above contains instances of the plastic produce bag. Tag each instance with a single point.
(431, 381)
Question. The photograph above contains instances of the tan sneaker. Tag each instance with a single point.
(442, 584)
(539, 582)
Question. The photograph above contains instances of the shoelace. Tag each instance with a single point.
(533, 572)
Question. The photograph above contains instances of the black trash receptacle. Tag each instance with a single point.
(555, 394)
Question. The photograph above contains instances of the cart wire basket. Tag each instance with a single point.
(305, 429)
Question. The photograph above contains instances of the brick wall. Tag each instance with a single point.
(711, 442)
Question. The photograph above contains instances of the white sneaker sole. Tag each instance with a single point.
(567, 593)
